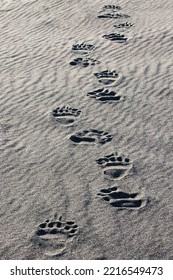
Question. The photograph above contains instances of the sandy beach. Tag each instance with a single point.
(86, 130)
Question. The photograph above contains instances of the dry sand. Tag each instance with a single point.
(96, 206)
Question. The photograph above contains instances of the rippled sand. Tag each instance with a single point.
(86, 130)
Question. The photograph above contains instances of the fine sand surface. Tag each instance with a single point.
(94, 182)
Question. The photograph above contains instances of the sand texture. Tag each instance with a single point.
(86, 134)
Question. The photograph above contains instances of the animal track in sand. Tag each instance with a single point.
(84, 62)
(8, 5)
(125, 25)
(91, 136)
(113, 16)
(53, 235)
(120, 38)
(83, 48)
(107, 77)
(121, 199)
(105, 95)
(112, 7)
(115, 166)
(66, 115)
